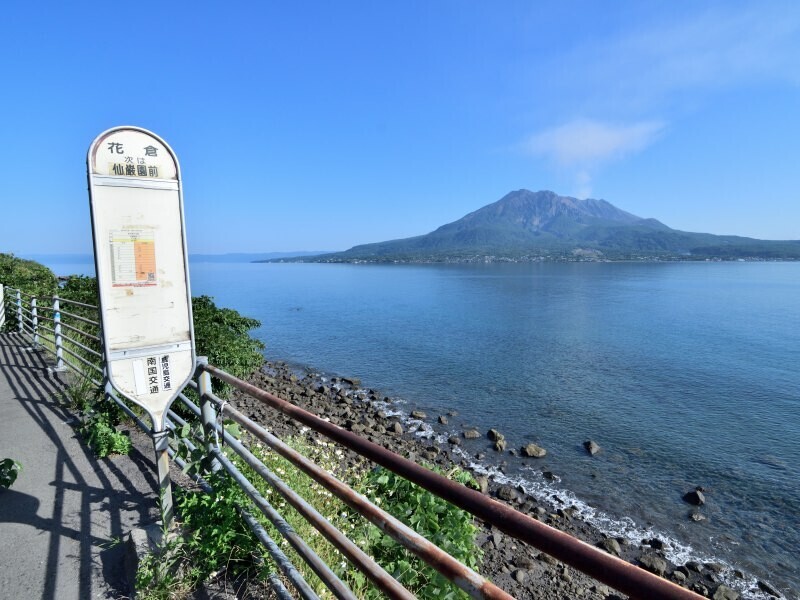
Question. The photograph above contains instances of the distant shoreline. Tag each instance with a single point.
(507, 260)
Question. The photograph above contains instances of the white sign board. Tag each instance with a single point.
(142, 268)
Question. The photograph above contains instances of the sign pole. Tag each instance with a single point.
(141, 261)
(161, 446)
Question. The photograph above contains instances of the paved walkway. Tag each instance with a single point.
(62, 521)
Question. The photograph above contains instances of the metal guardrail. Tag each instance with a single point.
(613, 571)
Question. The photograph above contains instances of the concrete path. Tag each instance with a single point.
(62, 521)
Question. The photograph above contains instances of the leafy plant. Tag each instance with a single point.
(101, 416)
(215, 534)
(223, 335)
(9, 469)
(104, 439)
(159, 576)
(448, 527)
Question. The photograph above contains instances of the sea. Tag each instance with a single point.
(685, 373)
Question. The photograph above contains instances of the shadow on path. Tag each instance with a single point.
(62, 520)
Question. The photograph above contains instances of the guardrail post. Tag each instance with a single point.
(2, 308)
(207, 413)
(19, 311)
(35, 323)
(60, 367)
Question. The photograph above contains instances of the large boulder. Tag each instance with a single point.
(508, 493)
(591, 446)
(532, 450)
(495, 435)
(695, 497)
(723, 592)
(654, 564)
(611, 546)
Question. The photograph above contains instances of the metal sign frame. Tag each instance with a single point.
(145, 296)
(96, 180)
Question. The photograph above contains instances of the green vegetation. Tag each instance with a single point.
(215, 539)
(9, 469)
(437, 520)
(223, 335)
(99, 419)
(27, 275)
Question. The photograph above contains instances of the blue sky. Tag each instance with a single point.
(322, 125)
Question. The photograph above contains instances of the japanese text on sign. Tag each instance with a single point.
(152, 374)
(133, 165)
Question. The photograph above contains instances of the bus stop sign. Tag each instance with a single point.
(142, 267)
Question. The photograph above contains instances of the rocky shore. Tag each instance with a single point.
(521, 570)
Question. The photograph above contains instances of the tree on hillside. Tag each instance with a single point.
(27, 275)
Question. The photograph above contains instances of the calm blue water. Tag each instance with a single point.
(685, 373)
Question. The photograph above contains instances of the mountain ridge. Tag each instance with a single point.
(525, 225)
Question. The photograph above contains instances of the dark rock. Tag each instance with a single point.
(418, 414)
(611, 546)
(506, 492)
(497, 537)
(679, 576)
(548, 475)
(654, 564)
(442, 420)
(591, 446)
(455, 440)
(495, 435)
(693, 565)
(768, 589)
(695, 497)
(523, 562)
(546, 558)
(533, 450)
(602, 590)
(714, 567)
(655, 543)
(500, 445)
(723, 592)
(472, 434)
